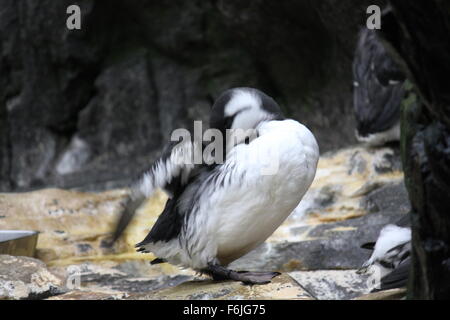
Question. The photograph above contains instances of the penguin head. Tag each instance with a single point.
(238, 112)
(243, 108)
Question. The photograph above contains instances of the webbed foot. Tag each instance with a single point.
(218, 272)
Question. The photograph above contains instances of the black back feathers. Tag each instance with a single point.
(377, 86)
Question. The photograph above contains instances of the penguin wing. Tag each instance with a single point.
(166, 227)
(398, 278)
(170, 173)
(378, 86)
(395, 256)
(170, 222)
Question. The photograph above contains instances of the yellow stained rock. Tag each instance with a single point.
(73, 224)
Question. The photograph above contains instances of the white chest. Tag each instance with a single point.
(269, 179)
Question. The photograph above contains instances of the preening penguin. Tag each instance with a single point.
(391, 255)
(218, 212)
(377, 91)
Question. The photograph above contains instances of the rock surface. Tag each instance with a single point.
(74, 225)
(282, 287)
(333, 284)
(26, 278)
(335, 245)
(346, 206)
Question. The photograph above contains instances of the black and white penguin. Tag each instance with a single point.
(216, 213)
(378, 90)
(391, 256)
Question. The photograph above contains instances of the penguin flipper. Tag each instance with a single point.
(167, 173)
(398, 278)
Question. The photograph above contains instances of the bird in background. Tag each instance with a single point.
(391, 255)
(218, 212)
(378, 90)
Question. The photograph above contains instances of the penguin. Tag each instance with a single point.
(391, 255)
(378, 90)
(218, 212)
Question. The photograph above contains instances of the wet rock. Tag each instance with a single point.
(72, 225)
(357, 163)
(105, 283)
(326, 196)
(281, 287)
(27, 278)
(392, 197)
(96, 277)
(389, 162)
(333, 284)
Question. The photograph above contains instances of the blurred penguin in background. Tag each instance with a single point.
(391, 255)
(378, 90)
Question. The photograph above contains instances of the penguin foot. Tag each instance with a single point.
(248, 277)
(219, 273)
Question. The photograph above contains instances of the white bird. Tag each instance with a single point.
(217, 213)
(391, 256)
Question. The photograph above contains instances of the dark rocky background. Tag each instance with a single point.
(417, 35)
(91, 108)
